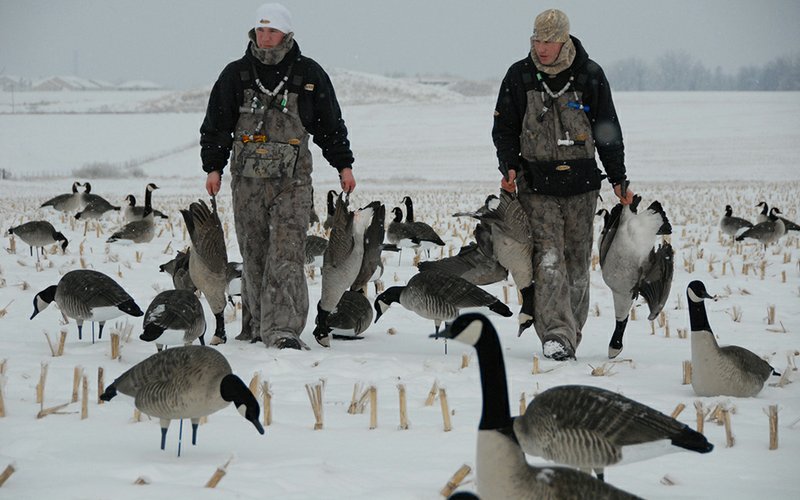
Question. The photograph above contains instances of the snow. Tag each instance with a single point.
(694, 152)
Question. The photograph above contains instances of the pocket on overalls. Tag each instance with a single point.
(266, 160)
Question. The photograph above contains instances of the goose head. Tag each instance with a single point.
(231, 388)
(728, 211)
(43, 299)
(764, 207)
(59, 236)
(386, 299)
(397, 213)
(773, 213)
(696, 292)
(75, 186)
(331, 206)
(130, 200)
(605, 215)
(409, 208)
(87, 187)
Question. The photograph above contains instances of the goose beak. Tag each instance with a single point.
(258, 425)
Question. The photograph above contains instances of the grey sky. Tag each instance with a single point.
(185, 43)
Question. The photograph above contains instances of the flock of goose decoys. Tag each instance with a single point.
(584, 429)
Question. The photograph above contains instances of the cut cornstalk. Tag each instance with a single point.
(687, 372)
(100, 384)
(432, 394)
(373, 407)
(50, 344)
(522, 403)
(772, 413)
(678, 409)
(41, 384)
(445, 410)
(353, 408)
(315, 397)
(401, 390)
(535, 369)
(267, 395)
(701, 416)
(77, 373)
(218, 475)
(726, 420)
(464, 360)
(53, 409)
(10, 469)
(255, 382)
(85, 399)
(456, 480)
(115, 345)
(62, 339)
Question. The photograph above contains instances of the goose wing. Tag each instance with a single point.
(455, 290)
(656, 279)
(206, 234)
(747, 359)
(610, 231)
(341, 241)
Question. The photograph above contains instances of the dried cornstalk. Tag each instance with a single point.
(255, 382)
(50, 344)
(41, 384)
(62, 340)
(267, 395)
(53, 409)
(687, 372)
(100, 384)
(85, 400)
(4, 310)
(701, 415)
(522, 403)
(726, 419)
(772, 413)
(602, 371)
(141, 480)
(432, 393)
(352, 409)
(373, 407)
(677, 411)
(445, 410)
(77, 373)
(771, 314)
(2, 401)
(10, 469)
(652, 328)
(464, 360)
(3, 366)
(632, 315)
(137, 415)
(315, 397)
(662, 319)
(535, 370)
(505, 294)
(683, 333)
(455, 481)
(114, 345)
(218, 475)
(401, 390)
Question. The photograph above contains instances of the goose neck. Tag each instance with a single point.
(496, 413)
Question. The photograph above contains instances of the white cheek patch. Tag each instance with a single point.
(242, 410)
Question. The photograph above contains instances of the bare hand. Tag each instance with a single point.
(509, 185)
(213, 182)
(347, 181)
(628, 198)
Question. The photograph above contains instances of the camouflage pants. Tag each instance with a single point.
(562, 237)
(271, 218)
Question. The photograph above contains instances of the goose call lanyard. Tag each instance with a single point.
(272, 94)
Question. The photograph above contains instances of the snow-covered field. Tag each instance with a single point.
(695, 152)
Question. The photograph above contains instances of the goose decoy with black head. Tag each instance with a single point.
(475, 262)
(763, 215)
(67, 202)
(38, 234)
(631, 266)
(341, 261)
(424, 236)
(731, 225)
(185, 382)
(501, 469)
(94, 205)
(178, 268)
(439, 297)
(131, 212)
(90, 295)
(766, 232)
(174, 317)
(720, 371)
(142, 230)
(590, 428)
(208, 260)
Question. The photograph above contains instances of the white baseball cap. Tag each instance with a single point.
(274, 15)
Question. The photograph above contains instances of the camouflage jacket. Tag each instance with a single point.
(319, 110)
(512, 122)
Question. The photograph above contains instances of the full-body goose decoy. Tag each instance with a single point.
(629, 264)
(501, 471)
(731, 225)
(401, 234)
(142, 230)
(475, 262)
(425, 236)
(132, 212)
(185, 382)
(439, 297)
(174, 317)
(763, 216)
(67, 202)
(39, 234)
(766, 232)
(352, 315)
(720, 371)
(512, 242)
(591, 428)
(341, 261)
(208, 260)
(94, 205)
(178, 268)
(84, 295)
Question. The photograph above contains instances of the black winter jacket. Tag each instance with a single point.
(590, 79)
(319, 110)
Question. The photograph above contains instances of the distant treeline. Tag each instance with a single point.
(681, 71)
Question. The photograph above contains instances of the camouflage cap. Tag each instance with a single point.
(551, 25)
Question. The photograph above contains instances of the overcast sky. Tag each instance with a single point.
(185, 43)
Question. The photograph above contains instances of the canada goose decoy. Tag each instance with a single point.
(38, 234)
(501, 470)
(208, 260)
(590, 428)
(174, 317)
(425, 236)
(439, 297)
(330, 209)
(315, 249)
(629, 264)
(95, 209)
(763, 215)
(401, 234)
(178, 268)
(720, 371)
(471, 263)
(341, 261)
(766, 232)
(142, 230)
(185, 382)
(67, 202)
(352, 315)
(371, 265)
(731, 225)
(131, 212)
(83, 295)
(512, 243)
